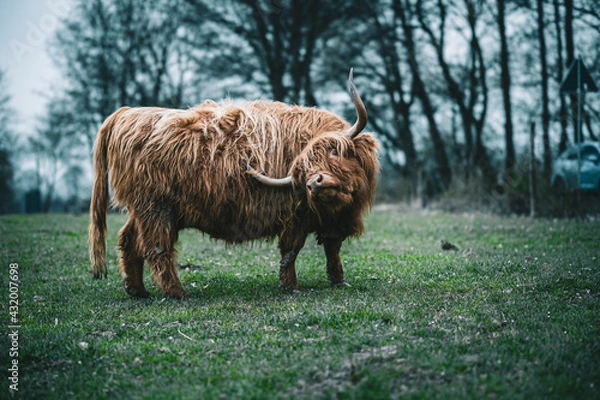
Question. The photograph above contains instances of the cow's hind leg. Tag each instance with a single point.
(160, 237)
(131, 262)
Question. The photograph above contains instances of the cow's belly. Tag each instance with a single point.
(233, 226)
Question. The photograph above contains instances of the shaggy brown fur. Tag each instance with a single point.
(174, 169)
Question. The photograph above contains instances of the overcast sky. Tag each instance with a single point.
(25, 27)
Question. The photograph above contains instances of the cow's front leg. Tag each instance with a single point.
(289, 246)
(335, 272)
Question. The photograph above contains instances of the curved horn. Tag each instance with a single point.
(274, 182)
(361, 111)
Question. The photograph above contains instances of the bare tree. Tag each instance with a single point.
(547, 153)
(570, 47)
(405, 11)
(388, 76)
(283, 37)
(588, 15)
(119, 52)
(505, 82)
(7, 190)
(562, 113)
(55, 148)
(465, 85)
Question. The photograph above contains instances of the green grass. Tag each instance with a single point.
(514, 313)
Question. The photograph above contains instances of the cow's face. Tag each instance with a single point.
(336, 172)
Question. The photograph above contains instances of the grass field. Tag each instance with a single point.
(513, 313)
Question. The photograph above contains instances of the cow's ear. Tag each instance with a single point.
(365, 143)
(365, 150)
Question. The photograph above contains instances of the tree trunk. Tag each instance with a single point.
(443, 164)
(547, 154)
(559, 76)
(505, 81)
(470, 98)
(570, 58)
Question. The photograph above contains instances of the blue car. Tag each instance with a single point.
(564, 170)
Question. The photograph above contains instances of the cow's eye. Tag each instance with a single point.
(334, 152)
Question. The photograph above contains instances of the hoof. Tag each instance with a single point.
(138, 293)
(180, 294)
(341, 284)
(294, 288)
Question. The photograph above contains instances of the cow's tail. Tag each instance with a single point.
(99, 202)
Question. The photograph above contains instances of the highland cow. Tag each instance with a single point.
(199, 168)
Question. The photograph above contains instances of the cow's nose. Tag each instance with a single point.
(315, 182)
(320, 181)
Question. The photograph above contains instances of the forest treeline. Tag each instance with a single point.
(451, 86)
